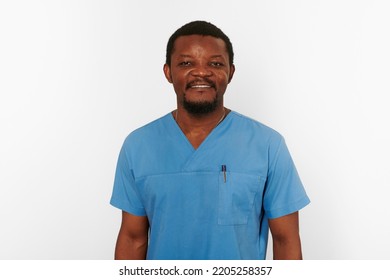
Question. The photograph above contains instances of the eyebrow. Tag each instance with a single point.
(190, 56)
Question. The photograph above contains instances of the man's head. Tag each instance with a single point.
(202, 28)
(200, 66)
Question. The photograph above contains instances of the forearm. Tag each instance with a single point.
(128, 248)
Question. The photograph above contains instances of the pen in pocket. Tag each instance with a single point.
(224, 172)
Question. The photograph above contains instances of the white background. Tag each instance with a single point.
(77, 76)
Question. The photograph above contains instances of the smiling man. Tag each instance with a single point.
(205, 182)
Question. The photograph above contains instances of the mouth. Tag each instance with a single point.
(200, 85)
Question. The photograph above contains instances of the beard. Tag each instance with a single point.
(200, 108)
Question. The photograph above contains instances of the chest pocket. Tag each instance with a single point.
(238, 194)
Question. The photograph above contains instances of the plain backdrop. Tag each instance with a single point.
(77, 76)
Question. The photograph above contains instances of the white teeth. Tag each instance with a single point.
(201, 86)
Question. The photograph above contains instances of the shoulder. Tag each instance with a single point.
(254, 128)
(149, 132)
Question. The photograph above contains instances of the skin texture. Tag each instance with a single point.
(132, 238)
(285, 237)
(200, 73)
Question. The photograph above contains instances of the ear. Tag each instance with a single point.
(167, 73)
(232, 70)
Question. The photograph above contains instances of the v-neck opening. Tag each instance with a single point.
(212, 132)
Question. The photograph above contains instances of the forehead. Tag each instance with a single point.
(199, 44)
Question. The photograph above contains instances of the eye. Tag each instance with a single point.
(216, 64)
(185, 63)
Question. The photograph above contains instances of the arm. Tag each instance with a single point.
(132, 240)
(285, 236)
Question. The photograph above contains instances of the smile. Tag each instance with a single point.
(201, 86)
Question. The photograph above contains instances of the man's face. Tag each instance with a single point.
(200, 72)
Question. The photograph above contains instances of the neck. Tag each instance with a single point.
(197, 128)
(188, 121)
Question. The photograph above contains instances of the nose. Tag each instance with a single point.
(201, 71)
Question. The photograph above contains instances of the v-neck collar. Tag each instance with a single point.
(184, 138)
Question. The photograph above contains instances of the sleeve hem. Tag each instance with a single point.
(128, 209)
(291, 208)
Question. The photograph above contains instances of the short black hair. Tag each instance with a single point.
(199, 28)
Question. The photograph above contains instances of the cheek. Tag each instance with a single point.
(178, 84)
(223, 78)
(179, 79)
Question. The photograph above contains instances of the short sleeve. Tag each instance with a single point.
(284, 192)
(125, 195)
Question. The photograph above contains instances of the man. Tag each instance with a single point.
(204, 182)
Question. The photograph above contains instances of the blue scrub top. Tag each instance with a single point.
(212, 202)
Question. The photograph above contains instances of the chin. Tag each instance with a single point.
(200, 107)
(200, 96)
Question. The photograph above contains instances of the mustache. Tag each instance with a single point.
(204, 81)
